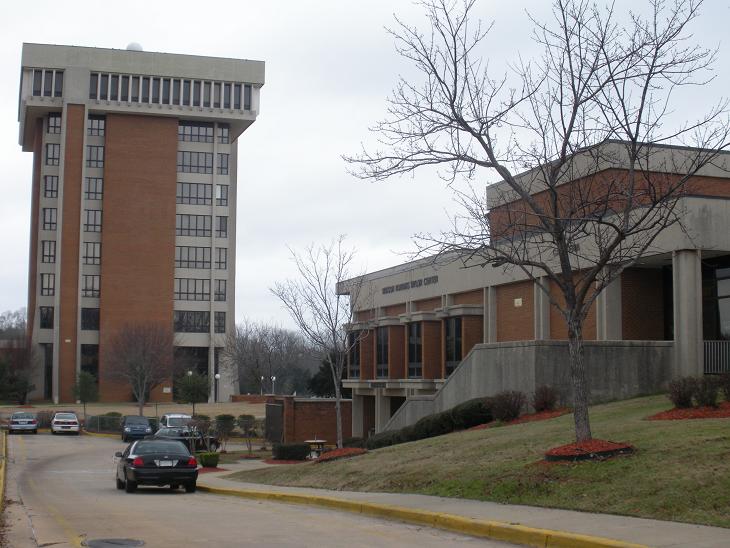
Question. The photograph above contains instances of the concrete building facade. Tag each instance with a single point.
(434, 332)
(133, 215)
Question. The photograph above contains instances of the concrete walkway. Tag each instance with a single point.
(646, 532)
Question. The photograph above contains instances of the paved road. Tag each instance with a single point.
(61, 493)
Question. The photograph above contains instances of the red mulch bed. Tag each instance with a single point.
(585, 450)
(532, 417)
(341, 454)
(720, 412)
(206, 469)
(276, 461)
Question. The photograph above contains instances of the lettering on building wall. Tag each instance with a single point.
(429, 280)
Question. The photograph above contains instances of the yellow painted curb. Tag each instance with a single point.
(101, 434)
(518, 534)
(3, 458)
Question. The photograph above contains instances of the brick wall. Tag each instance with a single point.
(394, 310)
(69, 267)
(470, 297)
(515, 323)
(472, 332)
(432, 355)
(558, 327)
(427, 305)
(249, 398)
(642, 304)
(304, 419)
(396, 352)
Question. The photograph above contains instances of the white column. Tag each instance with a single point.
(542, 309)
(688, 339)
(382, 409)
(608, 313)
(490, 315)
(357, 416)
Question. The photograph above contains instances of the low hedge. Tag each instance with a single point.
(209, 460)
(291, 451)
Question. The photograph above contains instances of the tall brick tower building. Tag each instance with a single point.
(133, 204)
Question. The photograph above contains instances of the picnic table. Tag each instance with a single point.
(316, 447)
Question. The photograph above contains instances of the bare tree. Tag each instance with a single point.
(320, 311)
(600, 97)
(141, 356)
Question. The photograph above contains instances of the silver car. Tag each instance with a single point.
(22, 421)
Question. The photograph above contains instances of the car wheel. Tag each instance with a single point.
(53, 432)
(35, 431)
(120, 484)
(124, 439)
(130, 486)
(190, 487)
(174, 487)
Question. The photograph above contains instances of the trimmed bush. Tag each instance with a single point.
(472, 413)
(707, 391)
(682, 391)
(291, 451)
(724, 382)
(507, 405)
(112, 414)
(208, 460)
(384, 439)
(434, 425)
(353, 442)
(201, 418)
(545, 398)
(44, 418)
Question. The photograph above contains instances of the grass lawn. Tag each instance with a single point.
(680, 472)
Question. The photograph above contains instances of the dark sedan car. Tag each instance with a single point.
(192, 439)
(156, 462)
(135, 427)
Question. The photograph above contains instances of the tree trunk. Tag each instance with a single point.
(140, 403)
(578, 378)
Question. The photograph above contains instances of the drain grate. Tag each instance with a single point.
(113, 542)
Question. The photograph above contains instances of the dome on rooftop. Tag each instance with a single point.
(134, 46)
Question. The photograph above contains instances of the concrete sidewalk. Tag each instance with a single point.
(600, 526)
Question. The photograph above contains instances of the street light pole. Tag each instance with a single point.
(273, 385)
(217, 378)
(262, 385)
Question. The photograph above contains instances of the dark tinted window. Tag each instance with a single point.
(158, 446)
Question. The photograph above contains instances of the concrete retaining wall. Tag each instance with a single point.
(616, 370)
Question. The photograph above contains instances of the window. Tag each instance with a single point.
(135, 89)
(47, 83)
(49, 218)
(196, 93)
(226, 95)
(53, 154)
(90, 359)
(206, 94)
(93, 85)
(195, 132)
(237, 96)
(191, 289)
(50, 186)
(220, 290)
(221, 195)
(94, 156)
(222, 164)
(92, 253)
(145, 90)
(48, 285)
(48, 251)
(37, 82)
(114, 87)
(54, 122)
(192, 257)
(247, 97)
(221, 258)
(96, 126)
(221, 227)
(452, 334)
(216, 95)
(92, 220)
(191, 321)
(415, 351)
(194, 193)
(220, 322)
(46, 317)
(192, 225)
(90, 319)
(93, 188)
(58, 86)
(194, 162)
(186, 92)
(124, 96)
(353, 342)
(176, 92)
(155, 90)
(104, 87)
(224, 134)
(381, 352)
(91, 285)
(166, 91)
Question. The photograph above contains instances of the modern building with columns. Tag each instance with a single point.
(435, 332)
(133, 215)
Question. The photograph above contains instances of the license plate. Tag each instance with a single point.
(165, 463)
(22, 422)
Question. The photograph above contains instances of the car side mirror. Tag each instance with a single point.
(118, 454)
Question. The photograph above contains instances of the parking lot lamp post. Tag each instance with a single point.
(273, 385)
(262, 385)
(217, 378)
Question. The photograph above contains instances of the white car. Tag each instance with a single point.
(65, 422)
(175, 420)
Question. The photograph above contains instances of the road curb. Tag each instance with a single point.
(496, 530)
(3, 459)
(100, 434)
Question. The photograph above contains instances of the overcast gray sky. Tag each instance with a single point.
(329, 67)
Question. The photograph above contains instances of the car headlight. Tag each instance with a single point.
(148, 430)
(127, 429)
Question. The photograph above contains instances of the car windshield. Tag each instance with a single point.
(167, 447)
(65, 416)
(168, 432)
(136, 420)
(178, 421)
(23, 416)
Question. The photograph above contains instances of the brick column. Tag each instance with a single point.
(432, 356)
(542, 309)
(396, 352)
(471, 333)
